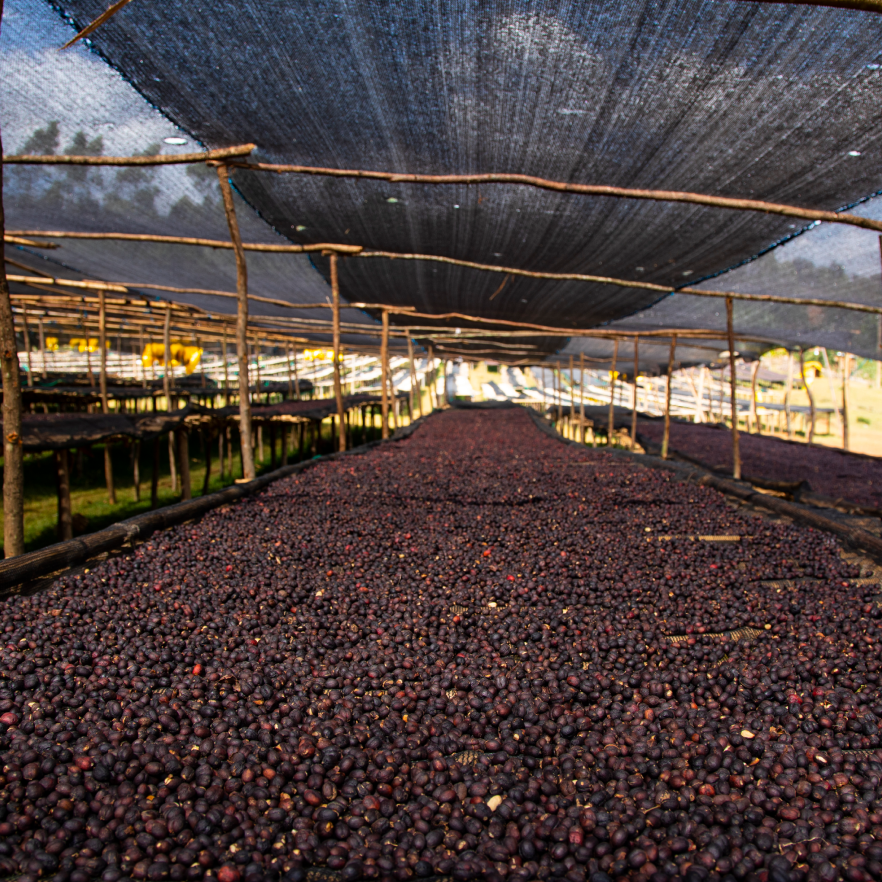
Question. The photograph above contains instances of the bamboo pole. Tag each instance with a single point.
(612, 393)
(102, 380)
(384, 376)
(168, 159)
(338, 388)
(668, 385)
(634, 408)
(241, 325)
(62, 481)
(846, 369)
(587, 189)
(753, 417)
(108, 13)
(736, 452)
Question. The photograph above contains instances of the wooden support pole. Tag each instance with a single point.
(582, 397)
(558, 387)
(166, 385)
(62, 480)
(414, 391)
(753, 417)
(26, 334)
(42, 347)
(787, 395)
(846, 370)
(666, 438)
(430, 378)
(338, 387)
(636, 388)
(241, 325)
(207, 444)
(612, 392)
(154, 475)
(228, 432)
(226, 372)
(572, 398)
(102, 380)
(136, 469)
(808, 392)
(384, 376)
(290, 375)
(730, 332)
(141, 358)
(296, 377)
(184, 462)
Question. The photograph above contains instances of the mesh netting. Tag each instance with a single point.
(765, 101)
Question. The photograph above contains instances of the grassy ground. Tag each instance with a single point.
(864, 418)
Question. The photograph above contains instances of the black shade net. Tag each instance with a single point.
(767, 101)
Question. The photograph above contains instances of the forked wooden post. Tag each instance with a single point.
(338, 388)
(612, 392)
(102, 381)
(634, 408)
(666, 438)
(582, 396)
(736, 451)
(384, 376)
(248, 471)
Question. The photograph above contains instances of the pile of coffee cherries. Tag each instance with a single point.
(828, 471)
(477, 653)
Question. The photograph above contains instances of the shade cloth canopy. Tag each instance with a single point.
(778, 102)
